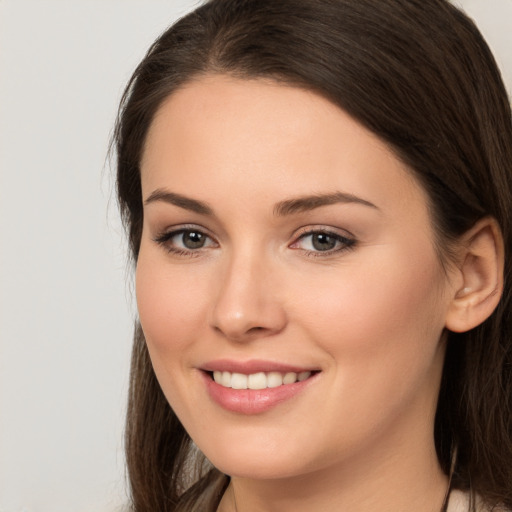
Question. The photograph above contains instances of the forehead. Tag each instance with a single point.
(263, 139)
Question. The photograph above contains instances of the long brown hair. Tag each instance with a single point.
(419, 75)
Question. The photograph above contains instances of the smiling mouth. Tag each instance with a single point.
(259, 380)
(255, 387)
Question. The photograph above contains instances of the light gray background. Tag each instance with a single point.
(66, 307)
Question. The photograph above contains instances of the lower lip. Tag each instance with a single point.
(253, 401)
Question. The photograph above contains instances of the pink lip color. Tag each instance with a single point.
(252, 366)
(252, 401)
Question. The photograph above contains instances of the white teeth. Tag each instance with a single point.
(225, 380)
(257, 381)
(239, 381)
(274, 380)
(303, 376)
(290, 378)
(260, 380)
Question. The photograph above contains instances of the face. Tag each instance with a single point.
(287, 283)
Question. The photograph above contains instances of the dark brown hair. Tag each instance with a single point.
(418, 74)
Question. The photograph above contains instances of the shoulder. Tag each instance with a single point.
(460, 501)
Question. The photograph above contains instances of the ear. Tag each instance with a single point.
(480, 268)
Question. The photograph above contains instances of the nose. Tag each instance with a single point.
(247, 303)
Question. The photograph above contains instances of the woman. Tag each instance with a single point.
(317, 195)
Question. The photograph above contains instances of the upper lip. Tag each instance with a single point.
(252, 366)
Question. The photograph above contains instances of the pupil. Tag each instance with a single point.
(323, 242)
(193, 240)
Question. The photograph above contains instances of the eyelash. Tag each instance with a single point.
(165, 240)
(345, 243)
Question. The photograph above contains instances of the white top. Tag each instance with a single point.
(459, 502)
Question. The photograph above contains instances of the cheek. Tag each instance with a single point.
(169, 304)
(170, 313)
(380, 311)
(381, 331)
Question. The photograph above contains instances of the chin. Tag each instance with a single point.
(263, 460)
(270, 469)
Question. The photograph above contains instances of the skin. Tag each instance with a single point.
(370, 316)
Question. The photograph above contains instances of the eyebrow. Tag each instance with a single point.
(181, 201)
(281, 209)
(306, 203)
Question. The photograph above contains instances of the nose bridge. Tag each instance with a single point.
(246, 303)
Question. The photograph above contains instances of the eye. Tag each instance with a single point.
(321, 241)
(185, 241)
(190, 239)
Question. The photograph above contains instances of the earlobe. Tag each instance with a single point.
(481, 268)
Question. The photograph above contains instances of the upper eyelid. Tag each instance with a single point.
(308, 230)
(179, 228)
(342, 235)
(164, 239)
(345, 243)
(348, 240)
(295, 236)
